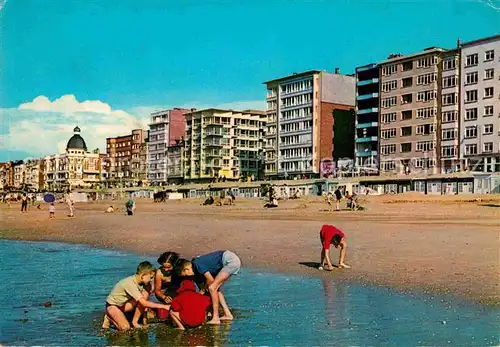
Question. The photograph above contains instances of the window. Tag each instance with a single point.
(450, 81)
(407, 82)
(425, 146)
(406, 147)
(426, 79)
(388, 133)
(406, 131)
(425, 129)
(408, 66)
(388, 117)
(489, 55)
(488, 92)
(449, 116)
(448, 151)
(449, 134)
(471, 149)
(426, 62)
(449, 64)
(406, 115)
(387, 149)
(389, 70)
(450, 99)
(427, 95)
(471, 60)
(488, 111)
(471, 132)
(471, 78)
(471, 96)
(390, 85)
(489, 74)
(471, 114)
(488, 147)
(406, 99)
(488, 129)
(388, 165)
(424, 113)
(389, 102)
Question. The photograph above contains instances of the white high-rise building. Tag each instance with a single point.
(480, 105)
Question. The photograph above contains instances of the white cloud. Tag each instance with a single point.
(42, 127)
(494, 4)
(2, 4)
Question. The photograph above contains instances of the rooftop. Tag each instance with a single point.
(431, 50)
(483, 40)
(220, 110)
(294, 75)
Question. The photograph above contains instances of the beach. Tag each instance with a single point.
(411, 242)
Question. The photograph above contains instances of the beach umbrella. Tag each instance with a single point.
(49, 197)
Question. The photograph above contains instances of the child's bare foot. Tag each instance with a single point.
(226, 318)
(345, 266)
(137, 325)
(214, 322)
(106, 323)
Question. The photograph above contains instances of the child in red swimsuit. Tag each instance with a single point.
(330, 235)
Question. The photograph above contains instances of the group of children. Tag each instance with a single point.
(187, 291)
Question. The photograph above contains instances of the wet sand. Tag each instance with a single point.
(411, 242)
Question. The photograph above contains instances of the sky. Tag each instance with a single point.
(105, 65)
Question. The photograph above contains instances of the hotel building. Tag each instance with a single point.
(165, 129)
(223, 143)
(410, 102)
(127, 159)
(300, 123)
(480, 105)
(367, 118)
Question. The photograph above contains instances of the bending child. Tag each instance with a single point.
(189, 308)
(330, 235)
(216, 268)
(130, 294)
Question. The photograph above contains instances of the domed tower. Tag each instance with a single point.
(76, 142)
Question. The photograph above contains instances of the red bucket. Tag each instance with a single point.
(162, 313)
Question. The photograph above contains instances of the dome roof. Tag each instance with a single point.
(76, 141)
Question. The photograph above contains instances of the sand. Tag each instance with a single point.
(410, 242)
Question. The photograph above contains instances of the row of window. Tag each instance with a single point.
(472, 95)
(421, 163)
(297, 126)
(420, 63)
(472, 149)
(420, 146)
(422, 129)
(473, 59)
(473, 77)
(296, 100)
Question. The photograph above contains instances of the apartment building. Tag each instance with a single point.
(175, 162)
(367, 118)
(127, 159)
(29, 174)
(448, 138)
(223, 143)
(165, 128)
(300, 122)
(410, 101)
(480, 105)
(19, 174)
(6, 175)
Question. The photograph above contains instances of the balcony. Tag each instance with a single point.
(296, 92)
(367, 139)
(367, 82)
(297, 158)
(367, 96)
(368, 110)
(294, 120)
(294, 145)
(366, 154)
(296, 132)
(366, 125)
(213, 133)
(213, 144)
(291, 107)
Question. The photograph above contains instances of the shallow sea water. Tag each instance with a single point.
(270, 309)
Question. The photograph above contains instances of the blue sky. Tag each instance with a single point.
(141, 55)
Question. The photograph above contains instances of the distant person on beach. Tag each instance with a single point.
(70, 204)
(24, 203)
(338, 197)
(130, 294)
(130, 207)
(330, 235)
(189, 308)
(165, 289)
(52, 211)
(216, 268)
(110, 209)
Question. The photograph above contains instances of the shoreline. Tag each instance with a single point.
(386, 247)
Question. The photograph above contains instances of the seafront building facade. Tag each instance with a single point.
(28, 174)
(165, 128)
(480, 105)
(367, 134)
(127, 159)
(300, 122)
(410, 102)
(223, 144)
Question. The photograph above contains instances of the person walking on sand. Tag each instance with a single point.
(70, 203)
(24, 203)
(330, 235)
(338, 197)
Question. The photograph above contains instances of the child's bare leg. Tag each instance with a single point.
(116, 315)
(343, 247)
(139, 312)
(177, 320)
(322, 262)
(227, 313)
(214, 294)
